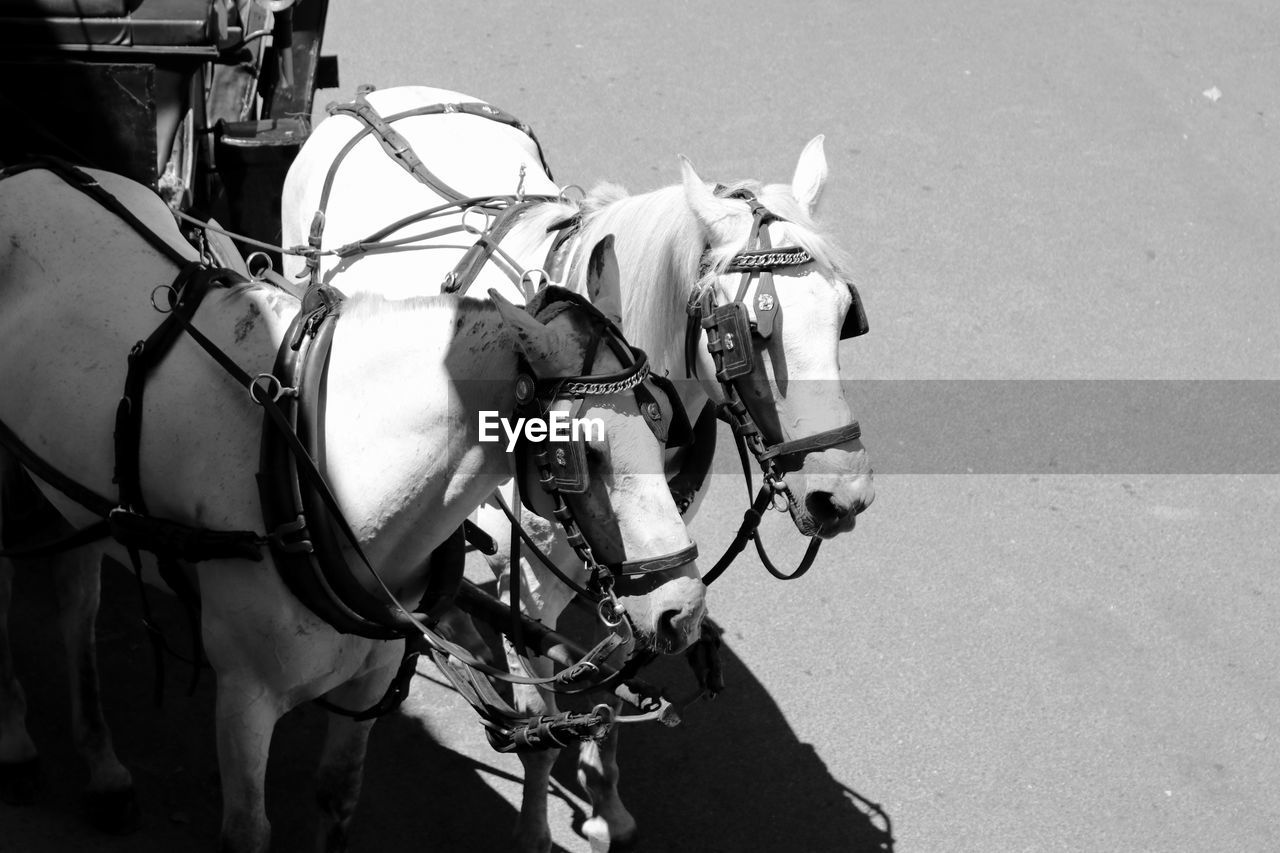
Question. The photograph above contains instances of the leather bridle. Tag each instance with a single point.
(731, 337)
(731, 332)
(561, 469)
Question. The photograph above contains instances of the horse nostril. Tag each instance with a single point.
(823, 507)
(673, 629)
(667, 629)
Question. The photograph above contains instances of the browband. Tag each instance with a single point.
(767, 259)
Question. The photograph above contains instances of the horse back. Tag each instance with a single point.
(474, 156)
(76, 294)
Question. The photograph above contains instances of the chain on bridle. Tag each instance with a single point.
(731, 336)
(562, 469)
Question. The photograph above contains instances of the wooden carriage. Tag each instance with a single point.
(205, 101)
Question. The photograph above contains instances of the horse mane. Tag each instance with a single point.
(663, 254)
(366, 305)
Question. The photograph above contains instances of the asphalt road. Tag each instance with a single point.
(1023, 661)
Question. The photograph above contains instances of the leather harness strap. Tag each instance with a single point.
(127, 518)
(401, 152)
(482, 250)
(45, 472)
(293, 536)
(730, 336)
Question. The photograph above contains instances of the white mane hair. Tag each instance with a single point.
(368, 305)
(797, 228)
(665, 258)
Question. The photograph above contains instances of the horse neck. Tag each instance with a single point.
(406, 383)
(659, 247)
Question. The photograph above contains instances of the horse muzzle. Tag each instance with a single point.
(828, 512)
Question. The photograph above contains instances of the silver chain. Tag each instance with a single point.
(755, 260)
(579, 387)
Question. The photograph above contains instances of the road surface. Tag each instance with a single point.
(1013, 659)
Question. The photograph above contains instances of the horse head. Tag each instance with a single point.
(608, 474)
(784, 301)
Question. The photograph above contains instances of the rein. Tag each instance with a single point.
(500, 211)
(559, 472)
(562, 472)
(317, 516)
(730, 331)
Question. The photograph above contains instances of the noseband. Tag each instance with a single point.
(731, 336)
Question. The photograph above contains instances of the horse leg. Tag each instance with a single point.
(18, 757)
(342, 760)
(610, 827)
(247, 712)
(533, 833)
(109, 796)
(545, 599)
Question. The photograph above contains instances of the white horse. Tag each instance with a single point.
(405, 382)
(672, 244)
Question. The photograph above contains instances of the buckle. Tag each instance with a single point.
(278, 537)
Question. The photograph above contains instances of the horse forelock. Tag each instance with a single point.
(798, 228)
(794, 228)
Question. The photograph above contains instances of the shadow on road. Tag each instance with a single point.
(733, 777)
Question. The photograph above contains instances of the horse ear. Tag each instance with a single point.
(811, 174)
(603, 280)
(718, 216)
(530, 337)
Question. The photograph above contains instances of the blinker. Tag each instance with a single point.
(736, 348)
(855, 322)
(678, 432)
(668, 422)
(568, 464)
(567, 461)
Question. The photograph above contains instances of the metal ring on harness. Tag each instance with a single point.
(273, 396)
(258, 257)
(607, 715)
(611, 611)
(466, 226)
(173, 298)
(527, 283)
(564, 194)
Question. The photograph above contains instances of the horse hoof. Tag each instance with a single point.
(596, 831)
(115, 812)
(19, 781)
(627, 844)
(538, 844)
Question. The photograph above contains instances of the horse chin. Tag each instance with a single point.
(835, 528)
(648, 641)
(663, 644)
(805, 522)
